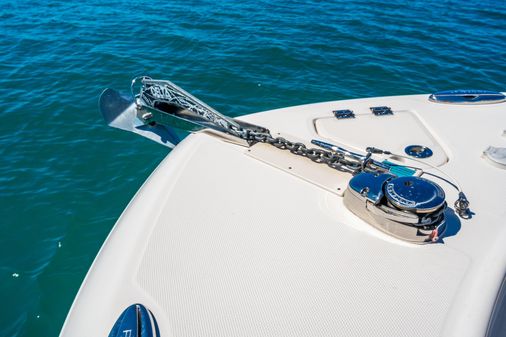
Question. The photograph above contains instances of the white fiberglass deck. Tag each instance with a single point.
(220, 244)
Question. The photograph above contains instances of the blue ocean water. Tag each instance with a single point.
(65, 177)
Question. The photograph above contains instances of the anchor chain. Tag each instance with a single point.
(332, 159)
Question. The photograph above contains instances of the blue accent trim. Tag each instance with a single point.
(135, 321)
(399, 170)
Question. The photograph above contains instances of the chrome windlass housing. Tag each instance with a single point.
(409, 208)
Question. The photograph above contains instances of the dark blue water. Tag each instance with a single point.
(65, 177)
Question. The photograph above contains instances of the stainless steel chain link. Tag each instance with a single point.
(333, 159)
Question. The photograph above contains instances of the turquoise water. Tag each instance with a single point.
(65, 177)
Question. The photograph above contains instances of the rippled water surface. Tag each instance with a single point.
(65, 177)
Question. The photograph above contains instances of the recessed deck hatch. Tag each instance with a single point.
(390, 132)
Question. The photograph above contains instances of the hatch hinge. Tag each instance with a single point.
(381, 110)
(344, 114)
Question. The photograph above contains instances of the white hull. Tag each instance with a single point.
(224, 240)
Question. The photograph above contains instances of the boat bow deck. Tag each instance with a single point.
(218, 243)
